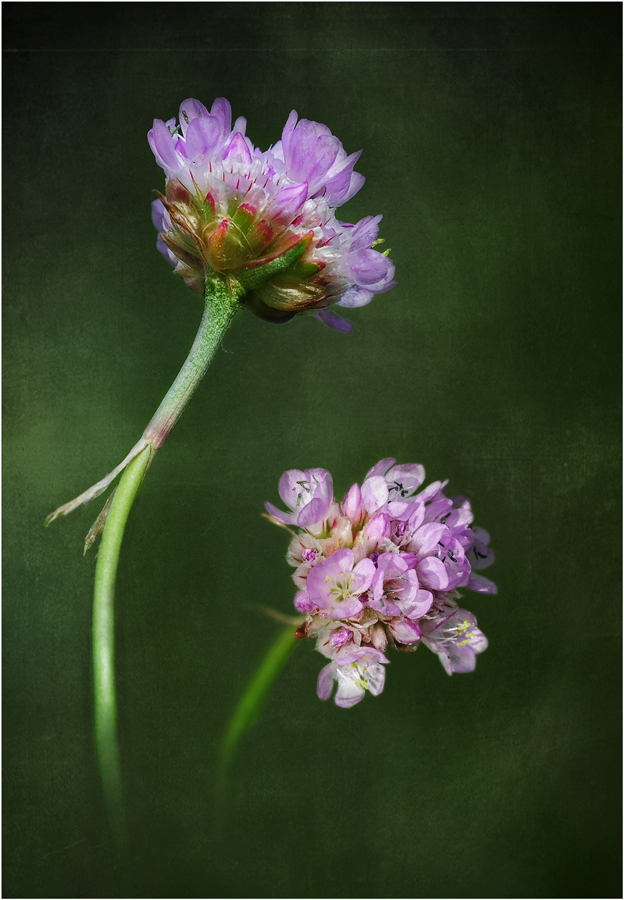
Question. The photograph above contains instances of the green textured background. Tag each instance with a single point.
(491, 136)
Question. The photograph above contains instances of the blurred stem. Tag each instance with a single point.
(251, 702)
(106, 743)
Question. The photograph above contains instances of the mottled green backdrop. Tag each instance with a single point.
(491, 136)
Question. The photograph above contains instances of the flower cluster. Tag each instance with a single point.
(382, 567)
(266, 218)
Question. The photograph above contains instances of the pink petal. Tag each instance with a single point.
(376, 676)
(238, 148)
(352, 503)
(347, 609)
(313, 513)
(161, 142)
(289, 201)
(417, 517)
(202, 137)
(289, 127)
(329, 317)
(363, 574)
(411, 475)
(427, 537)
(357, 181)
(416, 607)
(240, 125)
(377, 585)
(303, 603)
(325, 682)
(321, 484)
(378, 528)
(406, 632)
(348, 693)
(284, 518)
(481, 584)
(432, 574)
(392, 565)
(290, 486)
(374, 493)
(222, 111)
(369, 268)
(463, 659)
(381, 467)
(355, 297)
(189, 110)
(339, 563)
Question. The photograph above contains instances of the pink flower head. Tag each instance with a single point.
(383, 567)
(266, 218)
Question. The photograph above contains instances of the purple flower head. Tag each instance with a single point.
(383, 567)
(266, 218)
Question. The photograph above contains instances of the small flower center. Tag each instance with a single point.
(359, 675)
(304, 490)
(398, 531)
(462, 630)
(341, 589)
(398, 489)
(340, 637)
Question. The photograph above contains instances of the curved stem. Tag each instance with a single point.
(223, 300)
(107, 747)
(222, 303)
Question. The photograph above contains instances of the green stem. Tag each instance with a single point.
(104, 644)
(222, 303)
